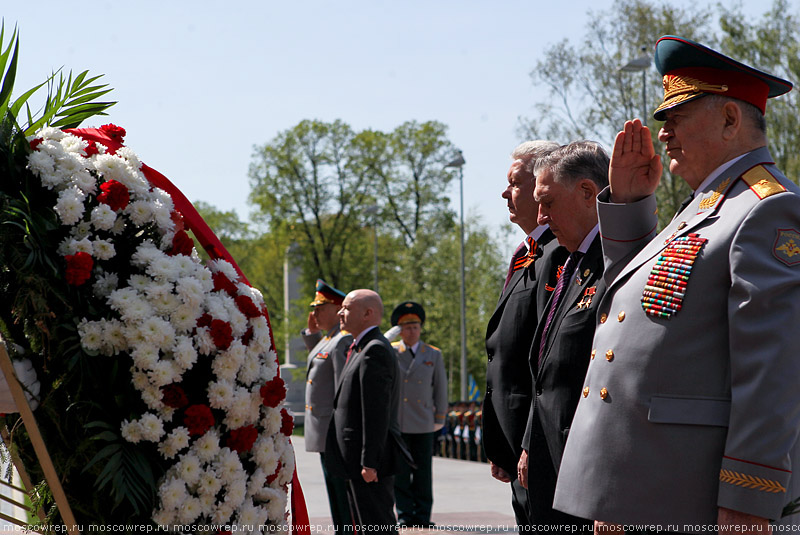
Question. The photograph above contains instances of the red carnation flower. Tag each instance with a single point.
(287, 423)
(174, 396)
(204, 320)
(223, 283)
(117, 133)
(274, 475)
(241, 440)
(247, 306)
(91, 149)
(35, 143)
(222, 333)
(247, 336)
(79, 268)
(198, 419)
(181, 244)
(273, 392)
(115, 195)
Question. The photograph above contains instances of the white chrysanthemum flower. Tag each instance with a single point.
(261, 338)
(271, 423)
(139, 379)
(228, 466)
(190, 290)
(204, 341)
(151, 396)
(104, 284)
(91, 333)
(250, 517)
(186, 265)
(159, 331)
(114, 336)
(207, 446)
(250, 370)
(173, 494)
(206, 279)
(44, 165)
(165, 519)
(190, 510)
(146, 253)
(131, 431)
(145, 356)
(73, 143)
(235, 420)
(119, 227)
(103, 250)
(239, 322)
(51, 132)
(220, 394)
(209, 484)
(183, 353)
(258, 479)
(223, 514)
(208, 502)
(130, 157)
(189, 469)
(152, 427)
(162, 373)
(163, 268)
(184, 318)
(139, 212)
(225, 267)
(140, 283)
(82, 246)
(237, 490)
(224, 367)
(217, 306)
(264, 453)
(69, 206)
(165, 303)
(287, 461)
(103, 217)
(162, 213)
(81, 231)
(276, 503)
(85, 181)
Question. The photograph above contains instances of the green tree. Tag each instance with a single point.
(590, 98)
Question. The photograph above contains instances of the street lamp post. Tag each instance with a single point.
(458, 162)
(642, 63)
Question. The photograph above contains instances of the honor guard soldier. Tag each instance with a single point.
(422, 411)
(689, 410)
(327, 345)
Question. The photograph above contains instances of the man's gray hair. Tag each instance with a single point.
(531, 151)
(575, 161)
(749, 111)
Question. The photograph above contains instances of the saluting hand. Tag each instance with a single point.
(312, 324)
(635, 169)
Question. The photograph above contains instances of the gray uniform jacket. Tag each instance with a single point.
(325, 362)
(423, 388)
(701, 407)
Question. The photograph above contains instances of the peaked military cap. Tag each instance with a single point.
(408, 312)
(327, 294)
(691, 71)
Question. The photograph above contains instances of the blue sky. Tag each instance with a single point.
(199, 85)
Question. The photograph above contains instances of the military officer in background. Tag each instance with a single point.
(327, 345)
(422, 411)
(690, 424)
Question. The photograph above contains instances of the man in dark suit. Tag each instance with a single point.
(567, 183)
(511, 327)
(362, 436)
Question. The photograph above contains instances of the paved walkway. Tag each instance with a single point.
(466, 499)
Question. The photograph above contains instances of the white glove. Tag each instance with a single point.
(392, 333)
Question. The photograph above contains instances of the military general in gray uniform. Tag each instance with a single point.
(690, 406)
(422, 410)
(326, 359)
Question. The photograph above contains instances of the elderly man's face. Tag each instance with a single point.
(326, 315)
(351, 315)
(565, 209)
(410, 333)
(693, 135)
(519, 196)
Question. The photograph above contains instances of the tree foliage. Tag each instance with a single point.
(590, 97)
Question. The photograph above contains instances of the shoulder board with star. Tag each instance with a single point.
(434, 347)
(762, 182)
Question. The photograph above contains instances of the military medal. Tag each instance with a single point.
(586, 300)
(665, 289)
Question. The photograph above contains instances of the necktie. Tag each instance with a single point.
(350, 351)
(563, 281)
(686, 202)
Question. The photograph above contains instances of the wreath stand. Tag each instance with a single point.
(50, 474)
